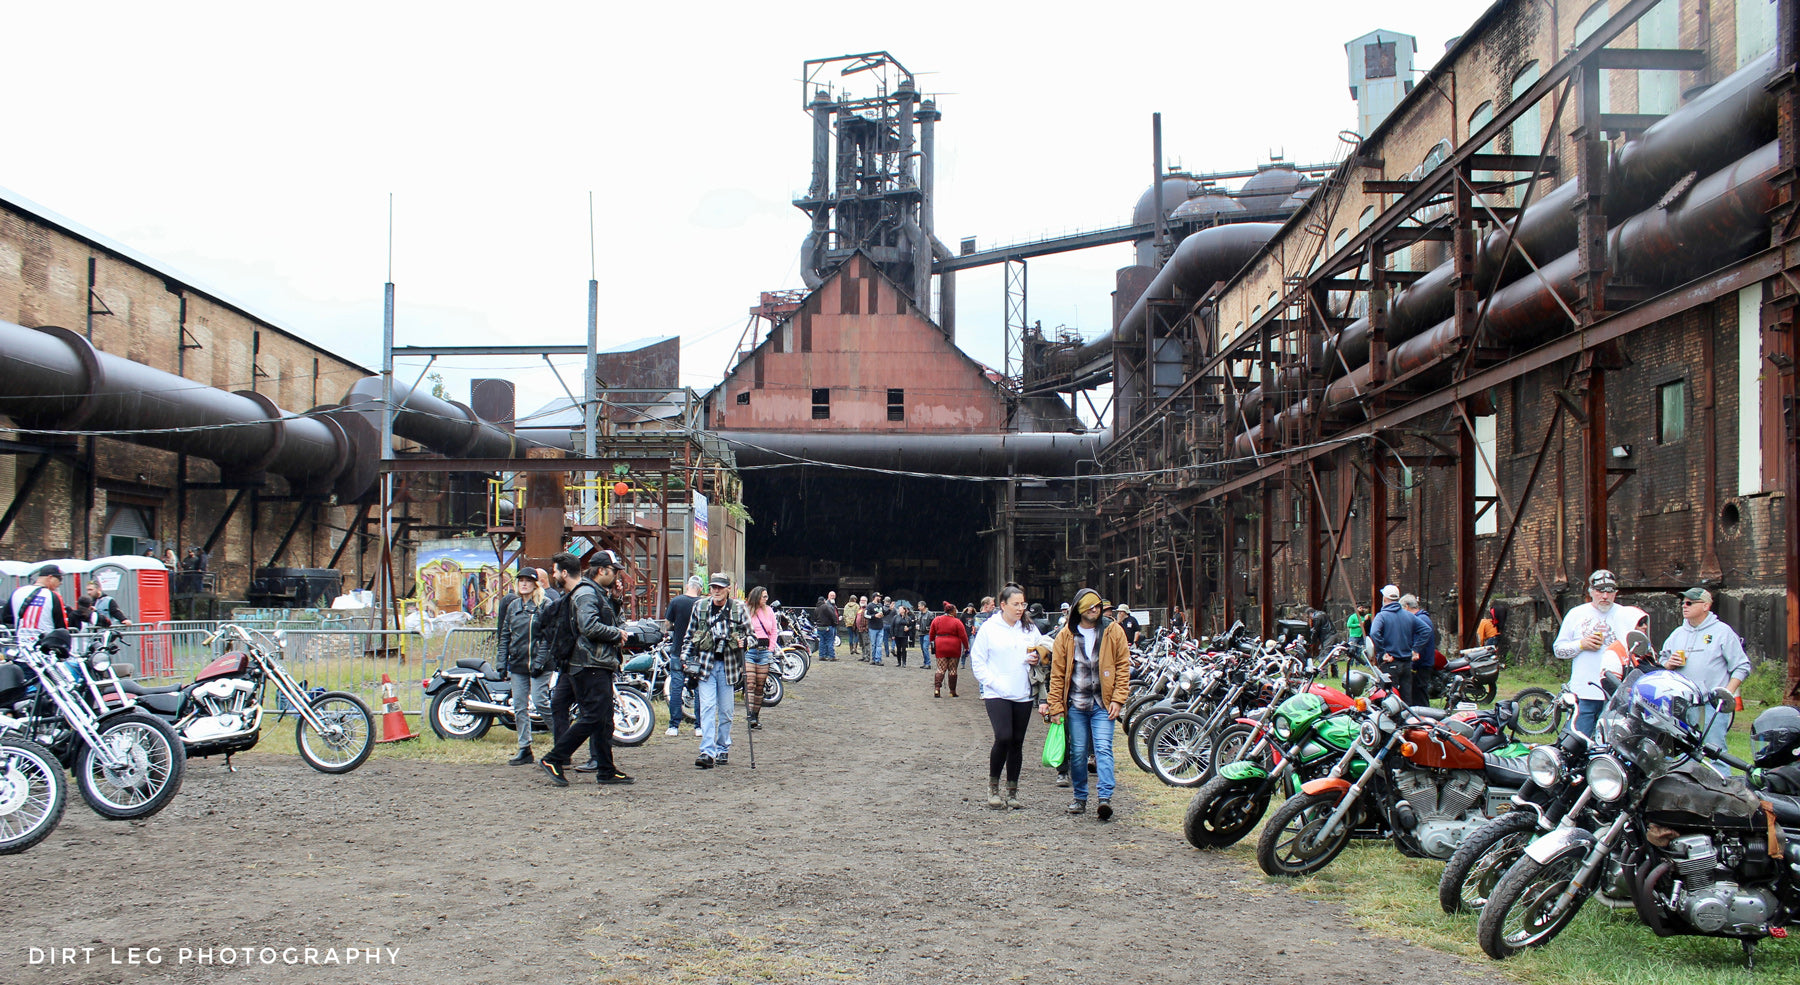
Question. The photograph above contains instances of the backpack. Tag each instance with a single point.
(558, 617)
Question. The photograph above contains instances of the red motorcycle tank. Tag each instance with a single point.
(1453, 752)
(1335, 699)
(231, 663)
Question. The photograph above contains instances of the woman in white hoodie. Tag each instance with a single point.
(1004, 651)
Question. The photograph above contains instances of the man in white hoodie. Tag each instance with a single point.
(1706, 651)
(1587, 630)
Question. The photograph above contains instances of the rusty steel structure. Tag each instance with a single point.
(1345, 437)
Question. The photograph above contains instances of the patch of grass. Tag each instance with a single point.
(728, 958)
(1395, 896)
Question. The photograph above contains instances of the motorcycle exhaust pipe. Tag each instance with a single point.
(487, 707)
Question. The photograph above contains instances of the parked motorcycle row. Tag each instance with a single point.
(1638, 814)
(127, 745)
(473, 696)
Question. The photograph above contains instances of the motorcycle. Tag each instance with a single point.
(1430, 785)
(32, 791)
(1697, 853)
(1301, 740)
(221, 712)
(127, 764)
(471, 697)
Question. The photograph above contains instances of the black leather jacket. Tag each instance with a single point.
(596, 624)
(523, 648)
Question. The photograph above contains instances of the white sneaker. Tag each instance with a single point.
(696, 731)
(674, 730)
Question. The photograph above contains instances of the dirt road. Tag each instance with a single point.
(860, 850)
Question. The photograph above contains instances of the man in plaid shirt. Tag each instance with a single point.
(715, 665)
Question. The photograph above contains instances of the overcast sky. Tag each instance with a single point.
(253, 147)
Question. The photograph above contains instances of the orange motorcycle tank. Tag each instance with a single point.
(1454, 752)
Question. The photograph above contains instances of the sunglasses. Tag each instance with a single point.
(1691, 601)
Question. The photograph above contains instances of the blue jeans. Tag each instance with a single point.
(677, 685)
(536, 691)
(1587, 714)
(827, 643)
(1090, 730)
(758, 655)
(877, 644)
(715, 712)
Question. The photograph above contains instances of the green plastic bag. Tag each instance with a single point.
(1056, 745)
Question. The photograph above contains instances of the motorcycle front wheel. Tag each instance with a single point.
(1291, 844)
(1137, 741)
(347, 738)
(32, 794)
(1181, 750)
(151, 763)
(1517, 914)
(1471, 874)
(450, 720)
(773, 690)
(1223, 812)
(1539, 711)
(1230, 745)
(633, 719)
(794, 662)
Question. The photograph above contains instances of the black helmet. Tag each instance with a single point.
(1356, 683)
(1775, 737)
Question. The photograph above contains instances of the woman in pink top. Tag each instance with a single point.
(763, 632)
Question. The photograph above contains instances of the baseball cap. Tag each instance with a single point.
(49, 570)
(530, 573)
(721, 579)
(606, 559)
(1604, 580)
(1391, 592)
(1697, 594)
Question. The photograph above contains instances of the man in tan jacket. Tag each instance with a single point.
(1090, 678)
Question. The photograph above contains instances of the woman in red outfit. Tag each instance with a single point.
(949, 641)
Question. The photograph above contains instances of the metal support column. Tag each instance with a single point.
(1378, 523)
(1467, 593)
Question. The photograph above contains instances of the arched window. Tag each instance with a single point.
(1528, 127)
(1755, 29)
(1659, 92)
(1584, 28)
(1366, 219)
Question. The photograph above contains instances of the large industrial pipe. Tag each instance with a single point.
(1034, 453)
(1202, 259)
(1729, 120)
(444, 426)
(54, 379)
(1721, 218)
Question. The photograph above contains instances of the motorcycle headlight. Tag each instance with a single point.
(1281, 728)
(1606, 777)
(1369, 735)
(1546, 766)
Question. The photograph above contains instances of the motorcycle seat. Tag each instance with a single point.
(1457, 665)
(1787, 808)
(161, 703)
(1506, 771)
(485, 667)
(133, 687)
(1426, 711)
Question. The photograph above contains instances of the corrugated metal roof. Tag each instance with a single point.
(25, 205)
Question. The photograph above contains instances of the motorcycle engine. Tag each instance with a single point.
(225, 707)
(1438, 810)
(1713, 905)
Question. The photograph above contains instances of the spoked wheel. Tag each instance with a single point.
(450, 720)
(1471, 874)
(1181, 750)
(1292, 843)
(1231, 744)
(1539, 712)
(773, 691)
(1223, 812)
(1521, 911)
(1481, 693)
(633, 719)
(148, 764)
(1137, 741)
(33, 793)
(793, 663)
(345, 738)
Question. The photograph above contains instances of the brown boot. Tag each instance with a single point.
(1012, 797)
(994, 800)
(953, 685)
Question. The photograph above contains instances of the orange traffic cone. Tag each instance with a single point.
(393, 720)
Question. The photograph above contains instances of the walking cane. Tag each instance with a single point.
(749, 733)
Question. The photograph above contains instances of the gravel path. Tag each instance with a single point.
(860, 849)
